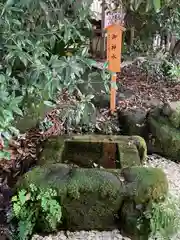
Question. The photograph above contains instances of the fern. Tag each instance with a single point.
(29, 206)
(164, 218)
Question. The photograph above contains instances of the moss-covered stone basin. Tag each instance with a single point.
(93, 199)
(87, 150)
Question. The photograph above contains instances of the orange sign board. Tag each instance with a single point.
(114, 42)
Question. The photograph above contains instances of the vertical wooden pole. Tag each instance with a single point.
(102, 47)
(113, 93)
(114, 44)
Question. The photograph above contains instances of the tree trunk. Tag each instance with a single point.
(173, 42)
(132, 35)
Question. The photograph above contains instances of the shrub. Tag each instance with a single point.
(164, 218)
(43, 51)
(35, 208)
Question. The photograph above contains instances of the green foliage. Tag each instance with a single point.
(147, 5)
(169, 20)
(175, 71)
(35, 208)
(138, 48)
(164, 218)
(45, 125)
(9, 105)
(161, 67)
(43, 51)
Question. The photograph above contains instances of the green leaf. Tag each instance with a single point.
(50, 104)
(17, 100)
(25, 228)
(23, 59)
(7, 114)
(16, 209)
(14, 130)
(137, 4)
(85, 51)
(157, 5)
(5, 155)
(149, 5)
(7, 135)
(2, 78)
(89, 97)
(105, 66)
(9, 71)
(22, 196)
(52, 41)
(9, 3)
(113, 85)
(14, 199)
(18, 111)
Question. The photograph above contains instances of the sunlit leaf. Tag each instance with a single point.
(49, 103)
(157, 4)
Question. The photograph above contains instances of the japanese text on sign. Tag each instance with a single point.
(114, 40)
(111, 18)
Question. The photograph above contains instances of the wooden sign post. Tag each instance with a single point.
(114, 44)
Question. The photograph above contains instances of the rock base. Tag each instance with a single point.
(94, 199)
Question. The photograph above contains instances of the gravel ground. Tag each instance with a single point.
(83, 235)
(172, 171)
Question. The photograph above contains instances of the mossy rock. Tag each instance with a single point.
(144, 184)
(130, 216)
(92, 198)
(141, 146)
(165, 138)
(87, 150)
(132, 121)
(52, 151)
(172, 111)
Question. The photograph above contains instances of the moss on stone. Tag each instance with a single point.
(166, 138)
(142, 147)
(132, 121)
(85, 150)
(52, 151)
(83, 153)
(172, 111)
(130, 215)
(91, 198)
(145, 184)
(128, 155)
(175, 119)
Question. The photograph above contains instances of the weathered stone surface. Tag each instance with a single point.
(165, 137)
(92, 198)
(103, 150)
(160, 128)
(52, 151)
(172, 111)
(124, 94)
(132, 121)
(131, 213)
(152, 103)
